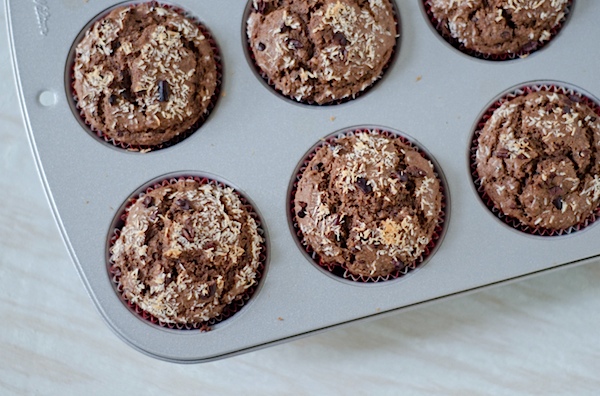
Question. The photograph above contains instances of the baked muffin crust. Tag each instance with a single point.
(538, 159)
(496, 27)
(322, 51)
(144, 74)
(186, 251)
(368, 203)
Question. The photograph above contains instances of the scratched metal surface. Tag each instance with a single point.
(254, 139)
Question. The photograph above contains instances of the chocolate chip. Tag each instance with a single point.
(403, 177)
(209, 245)
(555, 191)
(183, 203)
(126, 85)
(163, 91)
(415, 171)
(302, 212)
(521, 156)
(284, 28)
(501, 153)
(593, 119)
(398, 264)
(116, 45)
(188, 233)
(340, 39)
(260, 6)
(505, 35)
(318, 167)
(295, 44)
(212, 288)
(361, 182)
(112, 99)
(261, 47)
(575, 98)
(530, 46)
(558, 203)
(127, 95)
(566, 110)
(148, 200)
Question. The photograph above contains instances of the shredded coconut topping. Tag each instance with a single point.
(144, 74)
(368, 202)
(186, 251)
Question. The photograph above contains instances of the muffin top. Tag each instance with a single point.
(538, 159)
(368, 203)
(321, 51)
(186, 251)
(496, 27)
(144, 74)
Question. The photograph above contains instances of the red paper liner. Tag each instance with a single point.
(229, 310)
(267, 81)
(445, 34)
(181, 136)
(511, 221)
(341, 270)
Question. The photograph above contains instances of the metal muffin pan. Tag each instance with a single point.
(255, 139)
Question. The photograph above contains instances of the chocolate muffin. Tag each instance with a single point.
(321, 51)
(538, 160)
(187, 250)
(144, 74)
(498, 27)
(368, 203)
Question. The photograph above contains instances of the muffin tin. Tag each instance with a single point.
(255, 139)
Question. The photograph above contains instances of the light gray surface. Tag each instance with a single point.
(255, 139)
(538, 336)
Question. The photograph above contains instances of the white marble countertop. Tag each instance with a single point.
(538, 336)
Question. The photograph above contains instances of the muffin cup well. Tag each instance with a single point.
(340, 271)
(99, 134)
(512, 222)
(266, 81)
(454, 42)
(239, 302)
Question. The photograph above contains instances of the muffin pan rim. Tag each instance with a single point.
(75, 194)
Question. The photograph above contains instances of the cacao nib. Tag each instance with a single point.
(183, 203)
(361, 182)
(163, 91)
(340, 39)
(558, 203)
